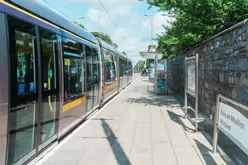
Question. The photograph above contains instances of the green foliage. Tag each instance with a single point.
(139, 66)
(197, 20)
(105, 37)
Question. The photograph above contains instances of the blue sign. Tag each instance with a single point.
(21, 89)
(31, 87)
(161, 67)
(151, 75)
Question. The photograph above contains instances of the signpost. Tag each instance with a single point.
(232, 119)
(191, 85)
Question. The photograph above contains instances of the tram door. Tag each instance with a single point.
(93, 78)
(96, 68)
(49, 103)
(34, 91)
(90, 78)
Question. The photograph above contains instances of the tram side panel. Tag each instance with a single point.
(4, 86)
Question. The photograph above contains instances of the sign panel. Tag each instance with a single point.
(161, 67)
(234, 123)
(191, 76)
(67, 62)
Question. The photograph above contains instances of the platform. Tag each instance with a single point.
(136, 127)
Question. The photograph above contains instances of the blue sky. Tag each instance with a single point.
(132, 32)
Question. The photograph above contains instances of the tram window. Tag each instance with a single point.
(49, 55)
(25, 60)
(93, 70)
(110, 66)
(73, 70)
(124, 67)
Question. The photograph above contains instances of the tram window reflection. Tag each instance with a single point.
(110, 67)
(73, 70)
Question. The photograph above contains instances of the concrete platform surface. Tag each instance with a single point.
(135, 128)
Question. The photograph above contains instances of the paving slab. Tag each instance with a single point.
(135, 128)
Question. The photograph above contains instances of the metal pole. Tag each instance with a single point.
(156, 78)
(196, 92)
(152, 30)
(185, 89)
(216, 130)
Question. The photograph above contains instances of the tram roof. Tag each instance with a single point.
(106, 45)
(45, 12)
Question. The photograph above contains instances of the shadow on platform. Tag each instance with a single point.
(177, 119)
(118, 151)
(154, 100)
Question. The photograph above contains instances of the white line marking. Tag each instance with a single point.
(68, 137)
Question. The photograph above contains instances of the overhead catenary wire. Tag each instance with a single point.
(57, 10)
(112, 20)
(106, 11)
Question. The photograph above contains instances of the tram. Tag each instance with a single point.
(53, 75)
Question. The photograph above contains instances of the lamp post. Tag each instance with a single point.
(151, 26)
(81, 18)
(152, 20)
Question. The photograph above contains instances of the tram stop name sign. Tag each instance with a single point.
(233, 121)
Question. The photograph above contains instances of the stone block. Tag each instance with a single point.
(236, 53)
(234, 93)
(243, 64)
(216, 76)
(232, 65)
(222, 77)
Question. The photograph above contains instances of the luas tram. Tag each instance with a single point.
(53, 74)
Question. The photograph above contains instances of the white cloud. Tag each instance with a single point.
(98, 17)
(132, 30)
(128, 32)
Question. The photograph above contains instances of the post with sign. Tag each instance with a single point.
(231, 118)
(191, 85)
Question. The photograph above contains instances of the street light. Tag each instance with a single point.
(151, 26)
(152, 15)
(81, 18)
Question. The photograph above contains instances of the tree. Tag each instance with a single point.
(79, 24)
(140, 64)
(115, 45)
(197, 20)
(105, 37)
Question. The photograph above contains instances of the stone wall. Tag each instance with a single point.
(176, 76)
(223, 69)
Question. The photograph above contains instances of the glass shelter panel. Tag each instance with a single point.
(191, 76)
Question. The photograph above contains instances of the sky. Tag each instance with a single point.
(130, 28)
